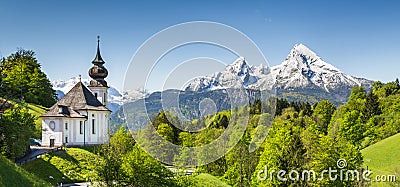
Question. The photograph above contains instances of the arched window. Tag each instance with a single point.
(52, 125)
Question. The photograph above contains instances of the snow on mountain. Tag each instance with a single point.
(302, 68)
(115, 97)
(235, 75)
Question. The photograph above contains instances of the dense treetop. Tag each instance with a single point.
(21, 78)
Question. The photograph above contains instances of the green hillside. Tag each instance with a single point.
(12, 175)
(205, 179)
(73, 165)
(383, 158)
(37, 111)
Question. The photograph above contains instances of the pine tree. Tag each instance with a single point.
(323, 112)
(371, 107)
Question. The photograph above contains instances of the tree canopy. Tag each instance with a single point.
(21, 78)
(16, 127)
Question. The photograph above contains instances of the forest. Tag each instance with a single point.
(302, 137)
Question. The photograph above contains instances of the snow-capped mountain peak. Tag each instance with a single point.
(239, 67)
(302, 68)
(301, 55)
(301, 49)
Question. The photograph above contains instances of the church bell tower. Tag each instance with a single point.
(98, 73)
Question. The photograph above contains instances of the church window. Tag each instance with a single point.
(80, 127)
(93, 130)
(66, 125)
(52, 125)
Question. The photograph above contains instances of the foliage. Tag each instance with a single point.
(143, 170)
(283, 150)
(16, 127)
(109, 165)
(368, 118)
(323, 113)
(296, 143)
(22, 78)
(124, 163)
(371, 107)
(351, 128)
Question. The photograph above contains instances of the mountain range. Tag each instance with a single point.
(302, 69)
(302, 76)
(116, 97)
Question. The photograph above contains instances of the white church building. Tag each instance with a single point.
(81, 117)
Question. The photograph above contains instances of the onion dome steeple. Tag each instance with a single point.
(98, 72)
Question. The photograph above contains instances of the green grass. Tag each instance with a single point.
(205, 179)
(37, 111)
(13, 175)
(383, 158)
(73, 165)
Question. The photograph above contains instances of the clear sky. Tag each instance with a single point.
(359, 37)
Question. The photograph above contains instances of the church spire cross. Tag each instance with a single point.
(98, 60)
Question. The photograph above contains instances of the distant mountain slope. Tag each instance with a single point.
(141, 110)
(115, 97)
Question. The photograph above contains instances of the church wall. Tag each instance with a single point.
(101, 126)
(74, 132)
(52, 129)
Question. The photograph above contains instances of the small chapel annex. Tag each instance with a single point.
(81, 117)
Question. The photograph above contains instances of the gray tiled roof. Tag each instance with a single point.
(78, 98)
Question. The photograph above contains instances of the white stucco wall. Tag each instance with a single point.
(100, 135)
(49, 133)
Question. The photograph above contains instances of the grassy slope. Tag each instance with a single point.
(77, 165)
(74, 165)
(37, 111)
(383, 158)
(13, 175)
(205, 179)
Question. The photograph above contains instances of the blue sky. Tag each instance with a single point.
(359, 37)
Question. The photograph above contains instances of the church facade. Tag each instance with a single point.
(81, 117)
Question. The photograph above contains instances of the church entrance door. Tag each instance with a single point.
(51, 142)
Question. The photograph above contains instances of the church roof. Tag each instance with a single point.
(78, 98)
